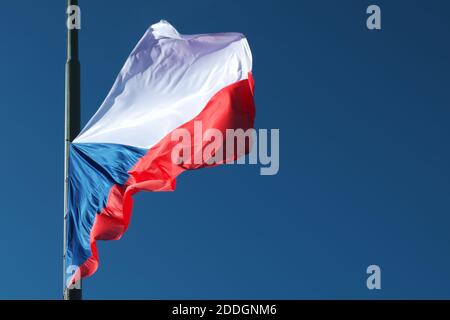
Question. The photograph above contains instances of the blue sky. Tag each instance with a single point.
(364, 174)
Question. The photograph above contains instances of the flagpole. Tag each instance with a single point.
(72, 128)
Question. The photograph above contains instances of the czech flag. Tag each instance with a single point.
(170, 81)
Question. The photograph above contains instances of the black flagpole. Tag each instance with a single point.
(72, 123)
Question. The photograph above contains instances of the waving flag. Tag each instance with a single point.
(170, 81)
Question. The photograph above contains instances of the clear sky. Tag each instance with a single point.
(364, 174)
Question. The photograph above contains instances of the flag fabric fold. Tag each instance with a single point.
(169, 82)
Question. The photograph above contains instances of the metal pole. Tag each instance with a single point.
(72, 128)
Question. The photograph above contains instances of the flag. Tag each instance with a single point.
(170, 82)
